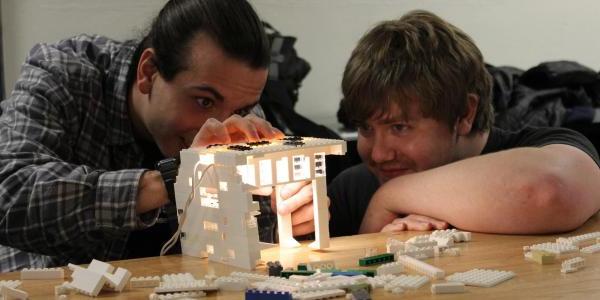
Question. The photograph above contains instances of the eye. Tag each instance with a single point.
(400, 128)
(365, 130)
(205, 102)
(244, 111)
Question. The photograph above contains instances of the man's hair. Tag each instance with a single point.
(232, 24)
(419, 57)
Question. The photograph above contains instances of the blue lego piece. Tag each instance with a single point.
(253, 294)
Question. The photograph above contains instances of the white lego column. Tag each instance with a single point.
(284, 225)
(320, 208)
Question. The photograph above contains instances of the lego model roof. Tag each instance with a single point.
(293, 144)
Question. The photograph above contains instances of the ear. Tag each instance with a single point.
(465, 123)
(146, 71)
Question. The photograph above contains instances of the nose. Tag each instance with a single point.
(381, 150)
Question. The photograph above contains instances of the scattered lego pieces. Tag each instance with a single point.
(412, 282)
(390, 268)
(579, 239)
(556, 248)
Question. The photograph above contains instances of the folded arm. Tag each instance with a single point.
(519, 191)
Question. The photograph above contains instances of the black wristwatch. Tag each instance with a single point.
(168, 169)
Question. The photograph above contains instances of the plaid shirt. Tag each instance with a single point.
(69, 162)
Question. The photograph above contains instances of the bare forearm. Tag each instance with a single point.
(515, 191)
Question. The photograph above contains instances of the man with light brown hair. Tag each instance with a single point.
(419, 92)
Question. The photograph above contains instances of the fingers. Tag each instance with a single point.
(235, 129)
(304, 228)
(264, 128)
(303, 214)
(262, 191)
(290, 189)
(435, 223)
(297, 200)
(212, 132)
(394, 227)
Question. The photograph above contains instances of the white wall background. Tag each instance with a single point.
(519, 33)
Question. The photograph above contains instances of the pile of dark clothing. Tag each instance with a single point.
(560, 93)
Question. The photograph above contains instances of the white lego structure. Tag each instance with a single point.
(221, 218)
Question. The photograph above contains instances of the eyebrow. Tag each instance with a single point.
(211, 90)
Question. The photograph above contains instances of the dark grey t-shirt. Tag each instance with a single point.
(351, 191)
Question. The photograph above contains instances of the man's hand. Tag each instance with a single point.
(235, 129)
(152, 193)
(415, 222)
(298, 197)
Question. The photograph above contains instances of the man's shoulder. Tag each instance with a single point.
(82, 49)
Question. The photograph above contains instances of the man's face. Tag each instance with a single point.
(212, 85)
(392, 146)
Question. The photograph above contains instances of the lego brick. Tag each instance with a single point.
(253, 294)
(540, 257)
(87, 282)
(275, 268)
(118, 280)
(317, 295)
(377, 259)
(322, 265)
(406, 281)
(287, 273)
(252, 277)
(321, 213)
(448, 288)
(417, 252)
(590, 249)
(144, 282)
(393, 245)
(579, 239)
(173, 296)
(10, 283)
(42, 273)
(100, 267)
(556, 248)
(189, 286)
(9, 293)
(481, 277)
(302, 267)
(366, 272)
(232, 283)
(421, 267)
(572, 265)
(390, 268)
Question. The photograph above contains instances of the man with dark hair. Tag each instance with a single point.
(419, 92)
(89, 117)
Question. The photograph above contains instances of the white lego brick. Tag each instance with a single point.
(448, 288)
(443, 241)
(177, 277)
(252, 277)
(390, 268)
(421, 267)
(406, 281)
(393, 245)
(42, 273)
(232, 283)
(451, 252)
(579, 239)
(556, 248)
(63, 289)
(87, 282)
(481, 277)
(100, 267)
(118, 280)
(144, 282)
(317, 295)
(10, 283)
(462, 236)
(9, 293)
(185, 286)
(321, 213)
(173, 296)
(591, 249)
(418, 239)
(572, 265)
(322, 265)
(417, 252)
